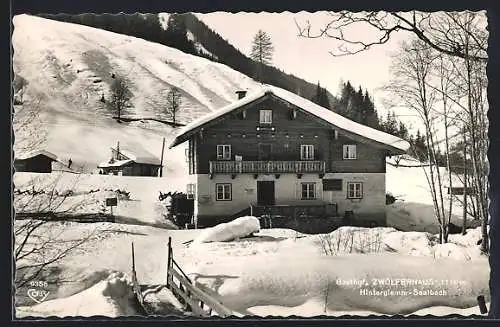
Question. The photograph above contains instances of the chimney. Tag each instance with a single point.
(241, 94)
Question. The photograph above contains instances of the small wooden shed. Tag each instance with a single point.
(36, 162)
(131, 161)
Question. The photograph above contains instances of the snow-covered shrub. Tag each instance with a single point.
(352, 240)
(240, 227)
(339, 241)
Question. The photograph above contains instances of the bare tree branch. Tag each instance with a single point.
(440, 36)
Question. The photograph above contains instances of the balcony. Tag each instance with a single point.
(267, 167)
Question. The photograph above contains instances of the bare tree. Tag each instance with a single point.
(38, 201)
(262, 52)
(412, 73)
(120, 95)
(462, 38)
(38, 245)
(174, 100)
(438, 30)
(30, 133)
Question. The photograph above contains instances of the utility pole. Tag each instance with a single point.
(161, 159)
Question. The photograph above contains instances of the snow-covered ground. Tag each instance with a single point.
(413, 209)
(281, 272)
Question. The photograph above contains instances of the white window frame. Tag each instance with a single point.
(265, 116)
(356, 192)
(310, 190)
(307, 152)
(223, 189)
(190, 190)
(349, 151)
(223, 152)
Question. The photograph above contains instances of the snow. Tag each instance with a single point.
(275, 271)
(68, 68)
(36, 153)
(308, 106)
(163, 17)
(289, 279)
(237, 228)
(111, 297)
(116, 163)
(141, 207)
(199, 47)
(282, 269)
(414, 209)
(138, 154)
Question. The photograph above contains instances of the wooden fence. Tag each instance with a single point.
(137, 288)
(195, 300)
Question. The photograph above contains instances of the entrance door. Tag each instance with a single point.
(265, 151)
(265, 193)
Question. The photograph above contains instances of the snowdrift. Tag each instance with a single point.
(112, 297)
(337, 282)
(237, 228)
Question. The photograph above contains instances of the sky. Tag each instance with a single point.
(309, 58)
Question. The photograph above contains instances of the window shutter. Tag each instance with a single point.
(298, 190)
(317, 191)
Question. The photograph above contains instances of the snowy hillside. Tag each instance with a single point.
(68, 67)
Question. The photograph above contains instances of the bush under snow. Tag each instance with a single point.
(240, 227)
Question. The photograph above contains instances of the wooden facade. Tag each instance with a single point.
(130, 162)
(132, 169)
(276, 147)
(269, 153)
(36, 164)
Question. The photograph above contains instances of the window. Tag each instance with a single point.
(223, 152)
(308, 191)
(190, 191)
(266, 116)
(223, 192)
(349, 151)
(332, 184)
(306, 152)
(186, 154)
(354, 190)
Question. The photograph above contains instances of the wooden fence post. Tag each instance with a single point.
(133, 259)
(169, 259)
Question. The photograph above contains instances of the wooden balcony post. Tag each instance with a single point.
(211, 165)
(269, 167)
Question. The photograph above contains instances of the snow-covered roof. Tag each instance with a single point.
(336, 120)
(115, 163)
(139, 155)
(33, 154)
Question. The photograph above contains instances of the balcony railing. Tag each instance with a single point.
(267, 167)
